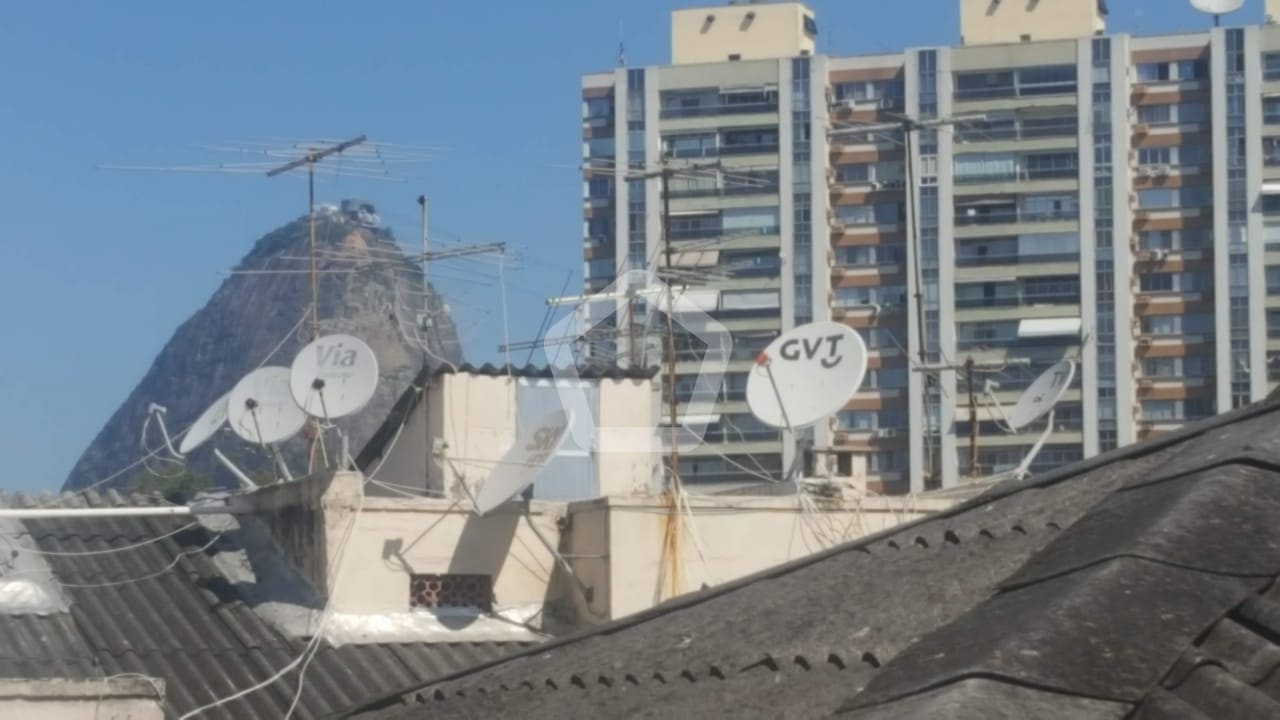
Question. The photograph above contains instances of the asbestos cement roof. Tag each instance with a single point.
(1141, 583)
(164, 609)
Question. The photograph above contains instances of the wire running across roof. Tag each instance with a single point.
(164, 609)
(1140, 583)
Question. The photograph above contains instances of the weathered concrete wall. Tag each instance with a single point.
(727, 538)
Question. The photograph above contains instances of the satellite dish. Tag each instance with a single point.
(261, 409)
(1217, 7)
(1042, 395)
(334, 376)
(806, 374)
(522, 464)
(205, 426)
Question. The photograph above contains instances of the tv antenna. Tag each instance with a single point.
(521, 465)
(261, 410)
(1039, 399)
(1217, 8)
(332, 377)
(908, 126)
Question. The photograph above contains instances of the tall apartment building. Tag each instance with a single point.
(1110, 199)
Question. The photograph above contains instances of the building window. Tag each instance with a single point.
(451, 591)
(1177, 71)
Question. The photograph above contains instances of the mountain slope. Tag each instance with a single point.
(368, 288)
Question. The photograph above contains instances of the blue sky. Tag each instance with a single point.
(100, 267)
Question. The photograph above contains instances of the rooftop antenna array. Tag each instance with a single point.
(1217, 8)
(907, 127)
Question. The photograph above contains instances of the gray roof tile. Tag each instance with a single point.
(187, 625)
(1134, 583)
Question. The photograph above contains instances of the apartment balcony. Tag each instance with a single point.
(1013, 222)
(718, 116)
(1014, 137)
(1022, 181)
(973, 268)
(1016, 311)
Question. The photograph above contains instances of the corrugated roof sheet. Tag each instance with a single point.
(167, 611)
(1140, 583)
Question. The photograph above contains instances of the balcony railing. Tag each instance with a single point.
(990, 133)
(749, 149)
(765, 186)
(1019, 301)
(1013, 216)
(694, 111)
(1019, 175)
(1014, 259)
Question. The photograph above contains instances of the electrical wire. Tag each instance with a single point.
(116, 583)
(109, 551)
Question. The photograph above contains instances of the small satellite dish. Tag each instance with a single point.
(334, 376)
(522, 464)
(261, 409)
(205, 426)
(806, 374)
(1042, 395)
(1217, 7)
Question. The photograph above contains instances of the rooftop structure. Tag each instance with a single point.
(1141, 583)
(987, 22)
(742, 31)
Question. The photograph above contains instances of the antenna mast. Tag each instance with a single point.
(310, 160)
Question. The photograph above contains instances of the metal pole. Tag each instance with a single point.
(426, 302)
(973, 420)
(908, 127)
(311, 229)
(672, 404)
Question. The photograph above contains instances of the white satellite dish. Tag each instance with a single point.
(205, 426)
(1042, 395)
(522, 464)
(261, 409)
(334, 376)
(806, 374)
(1217, 8)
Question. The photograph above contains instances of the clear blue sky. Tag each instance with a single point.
(100, 267)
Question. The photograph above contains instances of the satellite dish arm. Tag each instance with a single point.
(1004, 419)
(1024, 468)
(158, 411)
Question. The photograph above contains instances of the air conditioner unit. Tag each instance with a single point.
(1144, 341)
(875, 185)
(1162, 170)
(1146, 383)
(1144, 171)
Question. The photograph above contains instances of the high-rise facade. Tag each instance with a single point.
(1110, 199)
